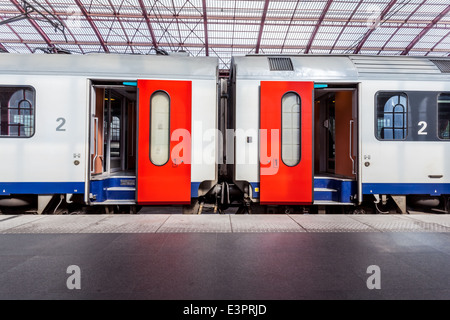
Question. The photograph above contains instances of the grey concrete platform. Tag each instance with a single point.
(175, 223)
(225, 257)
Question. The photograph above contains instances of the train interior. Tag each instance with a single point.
(113, 144)
(335, 144)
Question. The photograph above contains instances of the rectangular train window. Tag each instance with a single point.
(159, 128)
(391, 113)
(444, 116)
(290, 133)
(17, 112)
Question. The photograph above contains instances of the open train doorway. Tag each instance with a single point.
(113, 143)
(335, 144)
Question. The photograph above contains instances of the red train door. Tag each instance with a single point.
(164, 144)
(286, 164)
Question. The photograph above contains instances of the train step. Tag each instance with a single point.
(326, 194)
(113, 202)
(111, 189)
(333, 190)
(121, 193)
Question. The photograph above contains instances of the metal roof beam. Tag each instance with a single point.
(398, 29)
(219, 19)
(205, 27)
(149, 25)
(176, 16)
(121, 25)
(425, 30)
(438, 43)
(64, 24)
(261, 26)
(34, 24)
(18, 36)
(2, 48)
(200, 45)
(345, 26)
(316, 28)
(93, 26)
(289, 26)
(369, 32)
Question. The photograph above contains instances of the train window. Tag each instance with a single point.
(444, 116)
(159, 128)
(290, 131)
(115, 129)
(17, 112)
(392, 111)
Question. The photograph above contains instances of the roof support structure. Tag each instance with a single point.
(2, 48)
(201, 45)
(261, 26)
(65, 26)
(19, 37)
(289, 26)
(176, 17)
(369, 32)
(149, 25)
(425, 30)
(34, 24)
(94, 27)
(205, 27)
(121, 25)
(345, 26)
(282, 21)
(395, 32)
(268, 27)
(316, 28)
(438, 43)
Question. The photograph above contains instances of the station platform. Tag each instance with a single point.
(225, 257)
(221, 223)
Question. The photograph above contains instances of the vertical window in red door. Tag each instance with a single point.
(159, 128)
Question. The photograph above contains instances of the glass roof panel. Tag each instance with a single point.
(233, 27)
(281, 9)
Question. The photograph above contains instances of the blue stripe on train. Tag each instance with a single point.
(255, 189)
(406, 188)
(194, 189)
(348, 188)
(340, 190)
(7, 188)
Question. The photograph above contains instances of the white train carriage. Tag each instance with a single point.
(338, 130)
(112, 129)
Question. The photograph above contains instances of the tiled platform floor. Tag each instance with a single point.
(168, 223)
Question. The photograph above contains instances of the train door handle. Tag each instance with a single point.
(94, 141)
(350, 151)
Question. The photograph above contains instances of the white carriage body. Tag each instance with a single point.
(62, 85)
(394, 167)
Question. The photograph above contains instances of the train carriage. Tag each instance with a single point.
(111, 129)
(341, 130)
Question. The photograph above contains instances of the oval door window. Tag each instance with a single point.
(290, 130)
(159, 128)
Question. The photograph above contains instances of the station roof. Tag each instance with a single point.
(225, 28)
